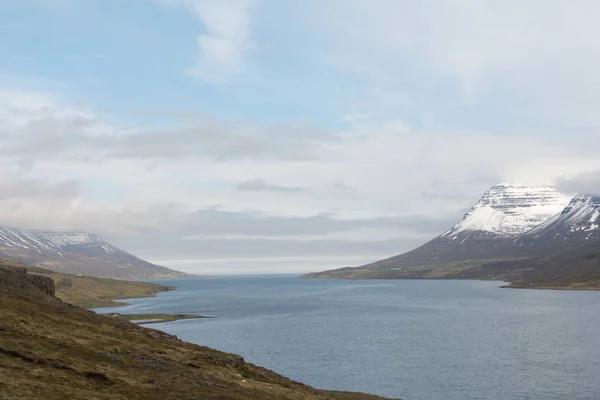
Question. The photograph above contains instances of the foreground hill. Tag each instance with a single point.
(52, 350)
(487, 233)
(78, 253)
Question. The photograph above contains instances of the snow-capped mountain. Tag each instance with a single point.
(509, 210)
(487, 232)
(77, 253)
(51, 242)
(577, 224)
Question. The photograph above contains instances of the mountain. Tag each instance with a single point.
(508, 211)
(77, 253)
(487, 232)
(576, 225)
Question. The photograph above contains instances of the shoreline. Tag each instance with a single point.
(148, 319)
(145, 318)
(507, 284)
(563, 288)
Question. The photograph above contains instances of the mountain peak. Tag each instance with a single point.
(509, 210)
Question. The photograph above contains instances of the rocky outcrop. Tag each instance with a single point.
(18, 279)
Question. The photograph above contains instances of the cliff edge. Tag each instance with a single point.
(19, 279)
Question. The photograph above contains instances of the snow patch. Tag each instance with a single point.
(511, 210)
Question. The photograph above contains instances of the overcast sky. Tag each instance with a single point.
(222, 136)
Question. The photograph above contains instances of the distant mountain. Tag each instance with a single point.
(487, 232)
(77, 253)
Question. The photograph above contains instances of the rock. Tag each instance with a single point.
(19, 279)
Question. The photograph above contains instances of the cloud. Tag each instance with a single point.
(218, 223)
(36, 189)
(583, 183)
(154, 191)
(222, 50)
(449, 60)
(258, 185)
(39, 125)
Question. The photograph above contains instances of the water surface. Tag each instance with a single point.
(417, 340)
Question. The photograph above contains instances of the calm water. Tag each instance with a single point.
(418, 340)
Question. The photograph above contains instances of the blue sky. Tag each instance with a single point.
(128, 57)
(378, 123)
(124, 57)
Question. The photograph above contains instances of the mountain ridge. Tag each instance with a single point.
(77, 253)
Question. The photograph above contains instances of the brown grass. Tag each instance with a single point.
(90, 292)
(52, 350)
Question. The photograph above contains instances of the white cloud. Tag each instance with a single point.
(438, 101)
(583, 183)
(536, 59)
(223, 48)
(165, 195)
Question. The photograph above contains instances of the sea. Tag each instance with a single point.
(406, 339)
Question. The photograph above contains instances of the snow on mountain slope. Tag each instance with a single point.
(509, 210)
(580, 220)
(77, 253)
(44, 242)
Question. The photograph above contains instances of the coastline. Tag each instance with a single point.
(507, 285)
(139, 319)
(149, 319)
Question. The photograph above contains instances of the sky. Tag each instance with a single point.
(242, 136)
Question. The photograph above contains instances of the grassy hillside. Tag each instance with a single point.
(52, 350)
(574, 269)
(428, 271)
(90, 292)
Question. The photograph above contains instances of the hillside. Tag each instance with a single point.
(576, 225)
(574, 269)
(78, 253)
(52, 350)
(90, 292)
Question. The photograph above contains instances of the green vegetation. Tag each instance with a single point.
(90, 292)
(438, 270)
(577, 269)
